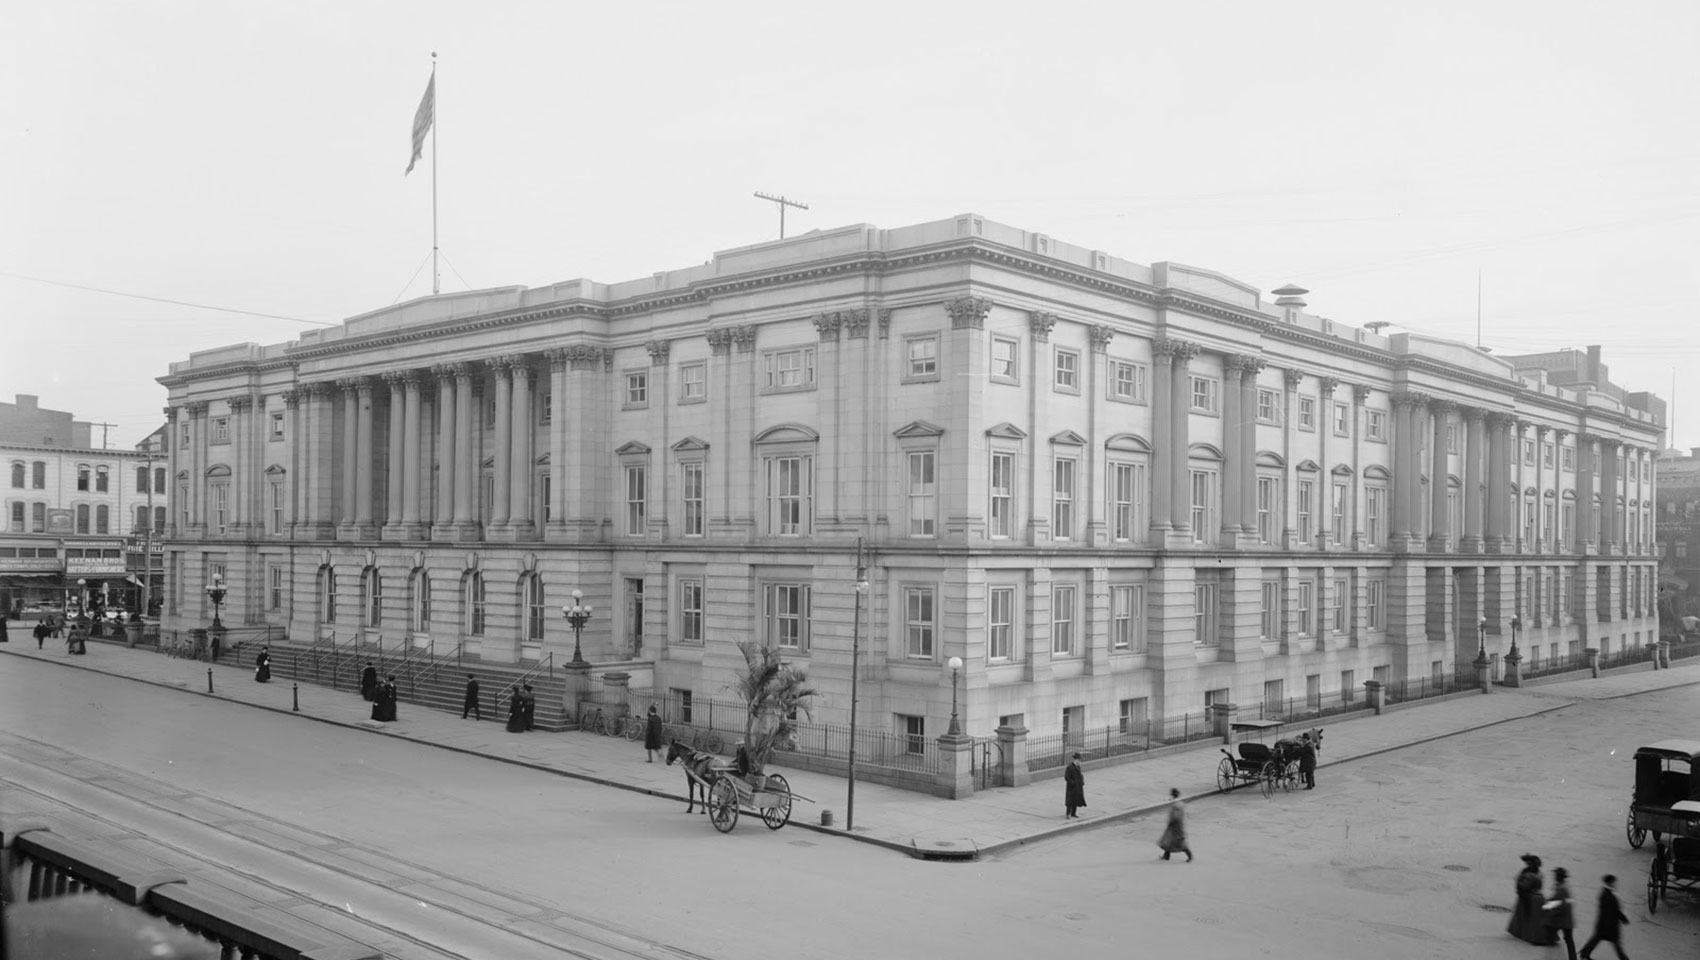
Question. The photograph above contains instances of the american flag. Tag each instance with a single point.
(422, 121)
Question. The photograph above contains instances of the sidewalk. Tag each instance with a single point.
(990, 821)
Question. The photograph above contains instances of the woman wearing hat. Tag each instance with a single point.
(1527, 922)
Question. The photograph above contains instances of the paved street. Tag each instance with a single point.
(1413, 850)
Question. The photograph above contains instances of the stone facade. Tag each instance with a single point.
(1116, 491)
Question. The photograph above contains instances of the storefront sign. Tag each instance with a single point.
(95, 566)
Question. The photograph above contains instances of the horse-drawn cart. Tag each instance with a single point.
(1667, 774)
(727, 790)
(1676, 864)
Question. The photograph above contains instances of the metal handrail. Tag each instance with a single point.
(548, 662)
(313, 649)
(434, 665)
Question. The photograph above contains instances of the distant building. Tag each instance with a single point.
(1117, 491)
(1679, 535)
(25, 422)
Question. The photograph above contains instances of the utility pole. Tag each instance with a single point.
(783, 203)
(104, 426)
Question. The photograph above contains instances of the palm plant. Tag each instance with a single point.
(773, 692)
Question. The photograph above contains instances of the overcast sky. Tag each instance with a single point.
(249, 157)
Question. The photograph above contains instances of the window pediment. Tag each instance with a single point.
(918, 428)
(275, 470)
(1377, 472)
(690, 445)
(787, 433)
(1006, 431)
(542, 461)
(1129, 442)
(632, 448)
(1069, 438)
(1270, 459)
(1204, 451)
(1309, 466)
(218, 470)
(1341, 470)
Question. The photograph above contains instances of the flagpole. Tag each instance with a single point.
(436, 272)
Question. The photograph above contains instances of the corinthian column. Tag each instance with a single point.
(1499, 481)
(466, 524)
(1439, 523)
(411, 442)
(396, 381)
(520, 524)
(363, 473)
(501, 383)
(1162, 441)
(1475, 419)
(1180, 441)
(350, 387)
(1233, 522)
(442, 519)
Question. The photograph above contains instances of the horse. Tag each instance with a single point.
(1304, 751)
(698, 762)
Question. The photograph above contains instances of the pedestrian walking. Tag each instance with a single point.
(1074, 790)
(369, 682)
(262, 664)
(41, 631)
(530, 708)
(1307, 761)
(1173, 839)
(5, 629)
(1608, 923)
(471, 704)
(652, 734)
(1526, 920)
(383, 703)
(516, 711)
(1560, 918)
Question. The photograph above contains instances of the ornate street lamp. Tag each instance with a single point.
(577, 614)
(1515, 623)
(216, 593)
(955, 669)
(855, 651)
(1481, 638)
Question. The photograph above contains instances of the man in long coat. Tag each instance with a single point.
(1608, 924)
(1307, 761)
(471, 704)
(369, 682)
(1074, 794)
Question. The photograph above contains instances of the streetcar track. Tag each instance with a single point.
(125, 785)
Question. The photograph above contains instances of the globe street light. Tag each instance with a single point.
(1515, 623)
(955, 669)
(855, 651)
(577, 614)
(216, 593)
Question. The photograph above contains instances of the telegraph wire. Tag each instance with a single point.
(177, 303)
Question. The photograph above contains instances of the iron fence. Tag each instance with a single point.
(1099, 743)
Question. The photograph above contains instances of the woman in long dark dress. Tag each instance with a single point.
(1526, 920)
(262, 666)
(652, 734)
(1173, 839)
(1074, 794)
(369, 682)
(516, 711)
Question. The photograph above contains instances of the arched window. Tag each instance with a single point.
(82, 518)
(419, 600)
(18, 474)
(473, 603)
(372, 597)
(327, 594)
(103, 519)
(532, 591)
(17, 515)
(82, 477)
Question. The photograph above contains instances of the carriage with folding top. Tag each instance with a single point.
(1270, 766)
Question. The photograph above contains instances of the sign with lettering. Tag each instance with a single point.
(95, 566)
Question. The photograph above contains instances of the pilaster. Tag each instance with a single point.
(395, 381)
(1439, 478)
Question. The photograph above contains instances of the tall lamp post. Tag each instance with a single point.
(855, 652)
(216, 592)
(82, 597)
(955, 670)
(1516, 622)
(577, 614)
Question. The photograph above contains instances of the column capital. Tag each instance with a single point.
(396, 379)
(1292, 378)
(582, 356)
(169, 411)
(968, 312)
(1559, 433)
(1541, 430)
(827, 324)
(659, 349)
(1179, 350)
(557, 357)
(1361, 392)
(1040, 322)
(1328, 385)
(1500, 418)
(719, 341)
(316, 390)
(240, 402)
(743, 340)
(290, 398)
(503, 365)
(351, 384)
(1102, 334)
(885, 322)
(1440, 406)
(450, 371)
(521, 370)
(1475, 415)
(1234, 365)
(855, 321)
(1408, 398)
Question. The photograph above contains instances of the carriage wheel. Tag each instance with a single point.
(779, 815)
(1225, 775)
(723, 806)
(635, 728)
(1637, 836)
(711, 742)
(1655, 881)
(1290, 776)
(1267, 777)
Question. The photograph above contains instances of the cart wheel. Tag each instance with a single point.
(1655, 882)
(711, 742)
(1290, 776)
(779, 815)
(723, 806)
(1637, 836)
(1267, 777)
(1225, 775)
(635, 728)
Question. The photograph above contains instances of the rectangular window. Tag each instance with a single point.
(1374, 506)
(1377, 426)
(1125, 617)
(1132, 714)
(1203, 504)
(1375, 605)
(159, 480)
(1268, 502)
(637, 500)
(788, 616)
(790, 495)
(38, 517)
(1337, 605)
(1306, 603)
(1546, 455)
(1062, 621)
(1339, 513)
(1307, 494)
(1004, 363)
(475, 605)
(1569, 455)
(275, 514)
(100, 481)
(1268, 407)
(1127, 381)
(1342, 420)
(923, 355)
(1204, 615)
(790, 370)
(1348, 686)
(1062, 498)
(1204, 394)
(221, 506)
(274, 588)
(690, 611)
(923, 494)
(1127, 486)
(914, 734)
(692, 482)
(1002, 495)
(918, 625)
(1000, 623)
(141, 480)
(1270, 595)
(18, 517)
(1528, 453)
(637, 389)
(1067, 370)
(221, 430)
(693, 382)
(277, 426)
(546, 407)
(1275, 695)
(83, 478)
(1307, 413)
(1567, 526)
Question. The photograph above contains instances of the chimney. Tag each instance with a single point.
(1592, 372)
(1290, 299)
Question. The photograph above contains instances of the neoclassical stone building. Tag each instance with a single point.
(1116, 491)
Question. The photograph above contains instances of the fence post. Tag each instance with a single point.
(296, 689)
(209, 680)
(1012, 744)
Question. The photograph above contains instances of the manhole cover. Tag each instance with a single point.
(1487, 821)
(1075, 916)
(1495, 908)
(802, 843)
(1456, 868)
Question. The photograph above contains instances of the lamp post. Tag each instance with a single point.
(955, 669)
(216, 593)
(577, 614)
(82, 597)
(855, 652)
(1516, 622)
